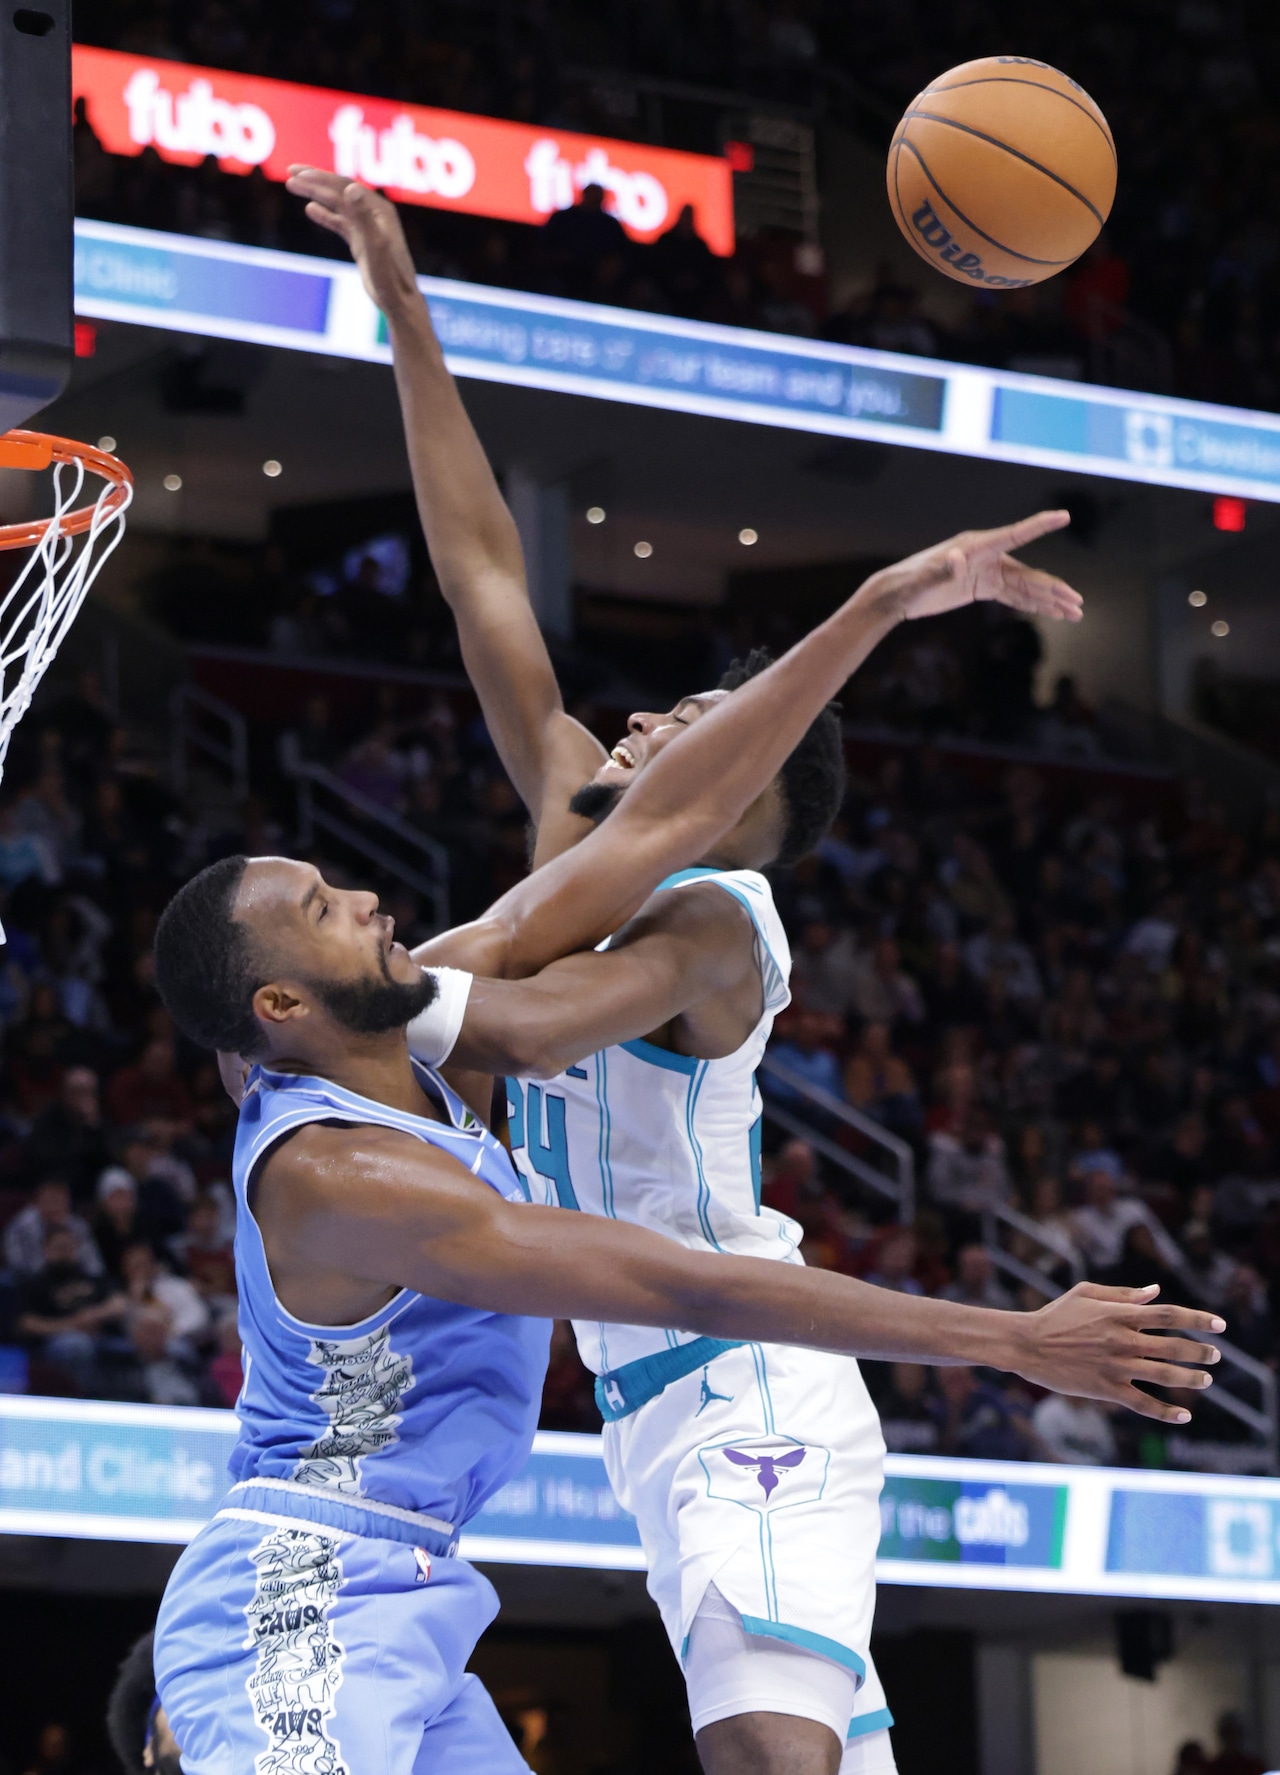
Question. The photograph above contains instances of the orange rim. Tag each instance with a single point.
(37, 450)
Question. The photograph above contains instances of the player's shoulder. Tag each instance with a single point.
(748, 888)
(326, 1156)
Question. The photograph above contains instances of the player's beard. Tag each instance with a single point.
(372, 1007)
(596, 801)
(166, 1763)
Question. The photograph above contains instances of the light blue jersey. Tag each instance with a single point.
(424, 1405)
(321, 1623)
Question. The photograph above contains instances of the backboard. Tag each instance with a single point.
(36, 208)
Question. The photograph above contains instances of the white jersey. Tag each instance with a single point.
(666, 1142)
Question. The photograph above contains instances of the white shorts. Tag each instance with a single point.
(730, 1671)
(761, 1474)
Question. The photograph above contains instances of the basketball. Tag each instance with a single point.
(1002, 172)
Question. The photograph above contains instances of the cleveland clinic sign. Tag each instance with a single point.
(513, 172)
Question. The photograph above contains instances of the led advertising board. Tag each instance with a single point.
(85, 1470)
(220, 290)
(514, 172)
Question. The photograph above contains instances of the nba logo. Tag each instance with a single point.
(423, 1561)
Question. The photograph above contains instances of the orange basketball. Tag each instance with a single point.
(1002, 172)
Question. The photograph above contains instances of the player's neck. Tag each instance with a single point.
(754, 842)
(377, 1067)
(737, 850)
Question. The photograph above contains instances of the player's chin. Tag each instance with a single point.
(401, 965)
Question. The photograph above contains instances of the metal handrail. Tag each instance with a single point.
(427, 874)
(187, 734)
(901, 1187)
(1265, 1424)
(1061, 1247)
(836, 1155)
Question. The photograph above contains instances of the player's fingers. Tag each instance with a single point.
(1009, 537)
(1178, 1349)
(1147, 1407)
(1168, 1374)
(1129, 1297)
(336, 224)
(1164, 1316)
(1029, 589)
(313, 181)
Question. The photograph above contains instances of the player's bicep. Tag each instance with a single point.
(367, 1202)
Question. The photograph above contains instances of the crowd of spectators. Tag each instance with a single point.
(117, 1278)
(1068, 1005)
(1182, 293)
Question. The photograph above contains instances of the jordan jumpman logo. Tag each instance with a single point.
(766, 1465)
(708, 1396)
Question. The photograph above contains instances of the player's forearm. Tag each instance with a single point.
(548, 1264)
(475, 549)
(536, 1028)
(468, 527)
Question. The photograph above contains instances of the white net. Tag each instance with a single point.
(51, 584)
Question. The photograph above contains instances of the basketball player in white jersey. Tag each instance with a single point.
(753, 1470)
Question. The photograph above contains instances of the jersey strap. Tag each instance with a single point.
(753, 894)
(624, 1390)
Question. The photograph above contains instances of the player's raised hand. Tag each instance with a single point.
(977, 566)
(369, 224)
(1097, 1342)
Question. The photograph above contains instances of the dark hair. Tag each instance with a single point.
(130, 1705)
(207, 966)
(813, 776)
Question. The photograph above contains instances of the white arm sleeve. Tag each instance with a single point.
(434, 1031)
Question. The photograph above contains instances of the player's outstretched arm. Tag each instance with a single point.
(376, 1204)
(701, 784)
(470, 532)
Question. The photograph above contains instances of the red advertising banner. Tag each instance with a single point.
(446, 159)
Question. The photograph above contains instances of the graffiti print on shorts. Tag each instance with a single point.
(299, 1663)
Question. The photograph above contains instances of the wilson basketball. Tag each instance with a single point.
(1002, 172)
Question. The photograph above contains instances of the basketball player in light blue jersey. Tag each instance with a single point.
(753, 1469)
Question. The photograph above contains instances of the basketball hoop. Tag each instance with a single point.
(67, 554)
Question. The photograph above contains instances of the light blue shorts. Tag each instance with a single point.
(319, 1640)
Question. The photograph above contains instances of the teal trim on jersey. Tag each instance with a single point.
(663, 1057)
(810, 1642)
(754, 1139)
(626, 1389)
(766, 1397)
(704, 1188)
(681, 875)
(606, 1130)
(879, 1721)
(740, 891)
(606, 1164)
